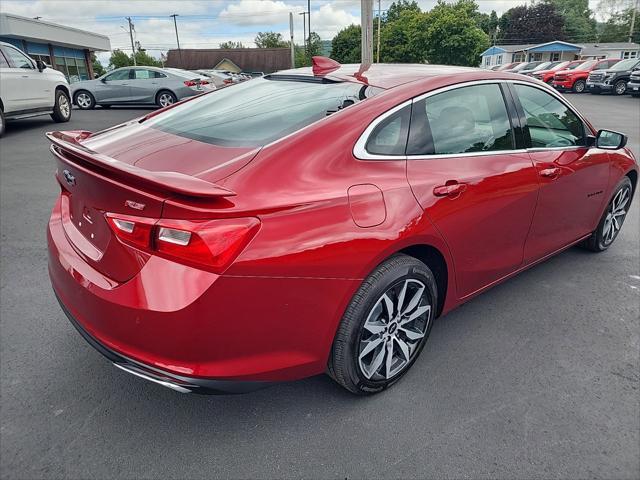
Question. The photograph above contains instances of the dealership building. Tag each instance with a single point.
(64, 48)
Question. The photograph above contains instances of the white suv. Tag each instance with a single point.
(29, 88)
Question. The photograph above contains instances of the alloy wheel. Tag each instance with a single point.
(579, 87)
(616, 214)
(394, 329)
(165, 99)
(63, 105)
(83, 100)
(621, 87)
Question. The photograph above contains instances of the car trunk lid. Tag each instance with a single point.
(94, 184)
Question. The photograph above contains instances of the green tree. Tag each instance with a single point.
(396, 8)
(98, 69)
(302, 56)
(270, 40)
(402, 40)
(231, 45)
(346, 45)
(616, 28)
(536, 24)
(451, 36)
(119, 59)
(579, 24)
(487, 22)
(144, 59)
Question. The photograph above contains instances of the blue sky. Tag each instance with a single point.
(203, 23)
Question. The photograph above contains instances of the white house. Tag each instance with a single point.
(556, 50)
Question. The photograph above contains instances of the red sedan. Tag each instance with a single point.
(319, 220)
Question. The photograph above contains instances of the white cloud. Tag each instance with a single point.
(327, 21)
(258, 12)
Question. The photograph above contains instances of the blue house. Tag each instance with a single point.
(556, 51)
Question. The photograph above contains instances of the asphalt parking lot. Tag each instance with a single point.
(538, 377)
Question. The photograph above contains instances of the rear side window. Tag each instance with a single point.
(551, 124)
(463, 120)
(258, 112)
(390, 136)
(144, 74)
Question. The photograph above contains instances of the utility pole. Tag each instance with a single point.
(304, 28)
(366, 19)
(133, 48)
(633, 19)
(309, 29)
(175, 25)
(378, 46)
(293, 53)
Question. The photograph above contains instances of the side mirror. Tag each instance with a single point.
(41, 65)
(610, 140)
(103, 79)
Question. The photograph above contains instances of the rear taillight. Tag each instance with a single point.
(209, 244)
(228, 81)
(195, 83)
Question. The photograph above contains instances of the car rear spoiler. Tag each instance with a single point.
(172, 182)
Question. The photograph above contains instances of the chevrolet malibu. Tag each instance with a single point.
(319, 220)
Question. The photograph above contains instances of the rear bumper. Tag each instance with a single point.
(178, 383)
(196, 328)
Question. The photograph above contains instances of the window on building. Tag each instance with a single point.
(72, 63)
(487, 61)
(17, 59)
(518, 57)
(39, 51)
(466, 119)
(555, 56)
(499, 60)
(535, 57)
(549, 121)
(630, 54)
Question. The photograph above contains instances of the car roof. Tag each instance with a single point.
(382, 75)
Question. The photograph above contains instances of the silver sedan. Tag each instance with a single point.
(139, 86)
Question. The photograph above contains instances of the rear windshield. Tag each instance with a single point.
(259, 112)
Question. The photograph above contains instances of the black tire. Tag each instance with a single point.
(2, 123)
(344, 366)
(598, 242)
(84, 100)
(620, 87)
(579, 86)
(162, 94)
(61, 108)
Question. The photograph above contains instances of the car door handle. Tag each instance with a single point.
(552, 173)
(450, 189)
(25, 76)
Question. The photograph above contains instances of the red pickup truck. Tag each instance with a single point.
(547, 74)
(576, 79)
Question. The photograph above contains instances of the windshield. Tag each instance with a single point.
(572, 66)
(624, 65)
(256, 113)
(544, 66)
(586, 65)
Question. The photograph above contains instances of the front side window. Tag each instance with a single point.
(119, 75)
(463, 120)
(550, 122)
(3, 61)
(18, 59)
(256, 113)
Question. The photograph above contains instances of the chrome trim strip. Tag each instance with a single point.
(361, 153)
(170, 385)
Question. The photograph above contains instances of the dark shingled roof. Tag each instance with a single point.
(265, 60)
